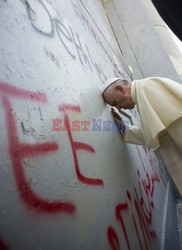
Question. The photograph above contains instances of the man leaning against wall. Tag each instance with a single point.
(159, 103)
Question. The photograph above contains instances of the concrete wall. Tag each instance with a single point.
(164, 35)
(68, 189)
(139, 41)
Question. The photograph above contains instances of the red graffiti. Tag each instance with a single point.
(78, 146)
(119, 210)
(66, 107)
(137, 232)
(21, 93)
(149, 182)
(153, 164)
(143, 204)
(141, 158)
(113, 238)
(18, 151)
(144, 218)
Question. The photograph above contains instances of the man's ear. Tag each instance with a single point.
(120, 88)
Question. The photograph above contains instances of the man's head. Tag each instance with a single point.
(117, 93)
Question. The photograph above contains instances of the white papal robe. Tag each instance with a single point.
(159, 103)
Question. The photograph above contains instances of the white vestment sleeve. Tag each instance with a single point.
(175, 131)
(133, 135)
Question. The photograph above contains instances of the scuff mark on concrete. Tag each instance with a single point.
(52, 57)
(40, 112)
(27, 131)
(27, 4)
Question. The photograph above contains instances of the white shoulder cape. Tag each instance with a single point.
(159, 102)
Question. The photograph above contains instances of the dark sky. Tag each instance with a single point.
(171, 12)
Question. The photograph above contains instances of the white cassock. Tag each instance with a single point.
(159, 103)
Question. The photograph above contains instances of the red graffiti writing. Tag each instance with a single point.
(78, 146)
(69, 107)
(21, 93)
(119, 210)
(143, 204)
(143, 218)
(153, 163)
(113, 238)
(18, 151)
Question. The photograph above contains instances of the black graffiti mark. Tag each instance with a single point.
(67, 36)
(30, 12)
(84, 21)
(86, 24)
